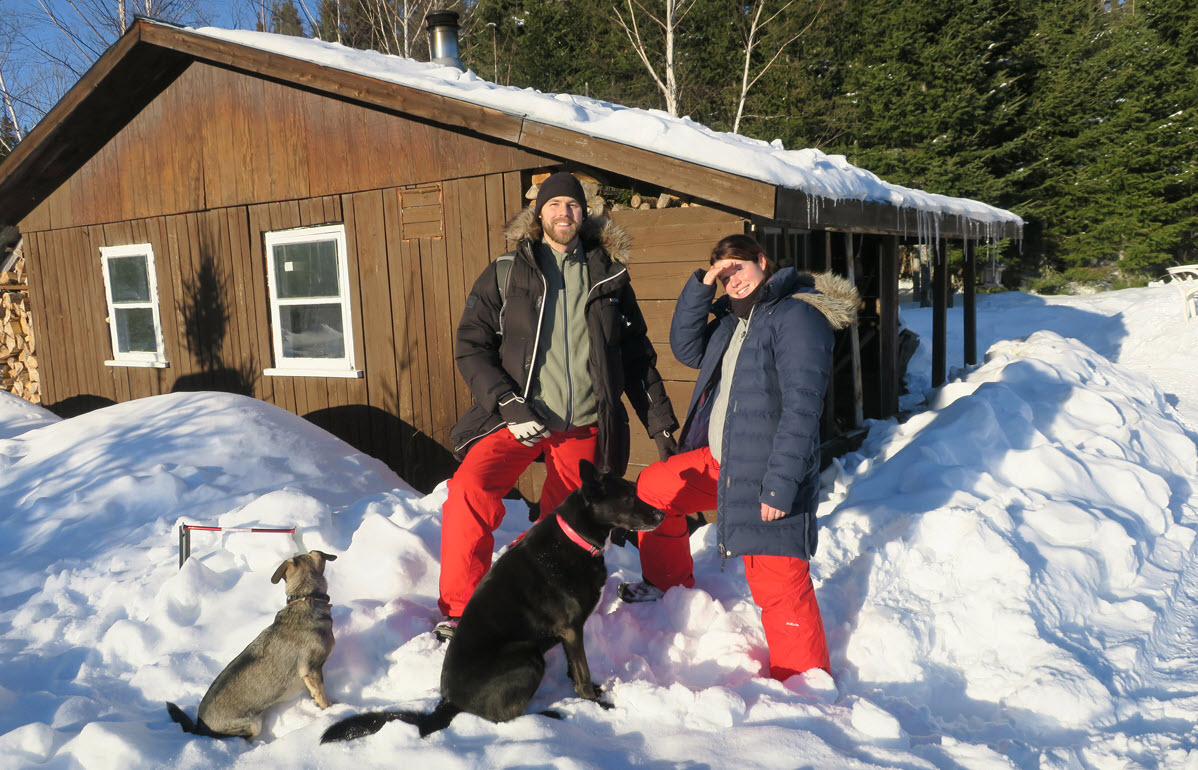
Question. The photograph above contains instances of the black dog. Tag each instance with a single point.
(539, 593)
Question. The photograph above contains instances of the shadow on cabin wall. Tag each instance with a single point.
(416, 457)
(204, 308)
(78, 404)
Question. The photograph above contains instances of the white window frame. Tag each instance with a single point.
(311, 367)
(156, 359)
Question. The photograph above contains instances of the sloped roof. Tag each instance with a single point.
(804, 187)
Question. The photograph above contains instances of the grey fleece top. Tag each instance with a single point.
(719, 408)
(564, 392)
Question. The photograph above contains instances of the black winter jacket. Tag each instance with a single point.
(771, 431)
(498, 336)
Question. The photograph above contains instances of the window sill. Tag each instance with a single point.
(140, 364)
(348, 374)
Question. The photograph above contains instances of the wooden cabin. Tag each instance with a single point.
(204, 214)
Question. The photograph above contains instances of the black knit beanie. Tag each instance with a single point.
(560, 183)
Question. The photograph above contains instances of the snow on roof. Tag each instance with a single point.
(809, 170)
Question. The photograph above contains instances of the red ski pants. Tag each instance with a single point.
(781, 585)
(474, 508)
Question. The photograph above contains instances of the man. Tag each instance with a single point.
(550, 339)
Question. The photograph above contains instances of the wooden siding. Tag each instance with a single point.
(217, 138)
(406, 294)
(667, 246)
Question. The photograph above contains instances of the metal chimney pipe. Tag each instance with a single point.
(443, 38)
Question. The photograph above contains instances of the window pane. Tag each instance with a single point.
(312, 331)
(129, 279)
(306, 269)
(135, 330)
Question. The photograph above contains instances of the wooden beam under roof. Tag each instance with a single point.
(798, 209)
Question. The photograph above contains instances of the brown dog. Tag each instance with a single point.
(289, 654)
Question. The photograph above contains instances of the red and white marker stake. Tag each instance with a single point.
(185, 535)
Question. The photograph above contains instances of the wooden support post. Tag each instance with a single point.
(970, 304)
(855, 337)
(888, 320)
(828, 427)
(940, 284)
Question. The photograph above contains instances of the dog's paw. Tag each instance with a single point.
(589, 691)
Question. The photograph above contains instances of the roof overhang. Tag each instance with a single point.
(151, 55)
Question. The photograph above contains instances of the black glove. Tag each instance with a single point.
(667, 445)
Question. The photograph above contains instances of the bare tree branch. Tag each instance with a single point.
(752, 40)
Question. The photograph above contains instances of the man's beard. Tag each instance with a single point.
(563, 238)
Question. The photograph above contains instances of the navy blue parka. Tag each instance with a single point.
(772, 427)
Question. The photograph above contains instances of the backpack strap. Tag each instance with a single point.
(503, 272)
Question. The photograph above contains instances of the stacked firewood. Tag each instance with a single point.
(598, 196)
(18, 364)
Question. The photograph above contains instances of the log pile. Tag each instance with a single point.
(18, 364)
(599, 198)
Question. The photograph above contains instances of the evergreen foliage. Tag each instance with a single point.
(285, 18)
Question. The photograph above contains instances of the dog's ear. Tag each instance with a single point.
(320, 558)
(281, 572)
(589, 474)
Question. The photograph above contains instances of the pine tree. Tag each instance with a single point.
(1115, 133)
(285, 18)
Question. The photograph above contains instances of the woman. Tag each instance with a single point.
(750, 445)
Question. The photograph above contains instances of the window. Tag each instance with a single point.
(132, 292)
(309, 302)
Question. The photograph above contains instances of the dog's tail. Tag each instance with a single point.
(373, 721)
(178, 715)
(197, 727)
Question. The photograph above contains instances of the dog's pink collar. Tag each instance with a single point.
(577, 538)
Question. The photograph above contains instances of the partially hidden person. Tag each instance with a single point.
(749, 447)
(550, 339)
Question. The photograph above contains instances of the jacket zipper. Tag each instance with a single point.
(725, 554)
(537, 341)
(565, 305)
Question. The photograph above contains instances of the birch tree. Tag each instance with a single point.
(754, 36)
(634, 16)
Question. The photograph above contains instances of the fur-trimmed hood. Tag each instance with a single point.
(834, 296)
(594, 231)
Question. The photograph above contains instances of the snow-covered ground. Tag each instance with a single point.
(1008, 579)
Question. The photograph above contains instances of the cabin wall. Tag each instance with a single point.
(406, 296)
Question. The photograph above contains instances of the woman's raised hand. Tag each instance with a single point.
(722, 269)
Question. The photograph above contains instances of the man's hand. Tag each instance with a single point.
(770, 513)
(667, 445)
(522, 420)
(528, 433)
